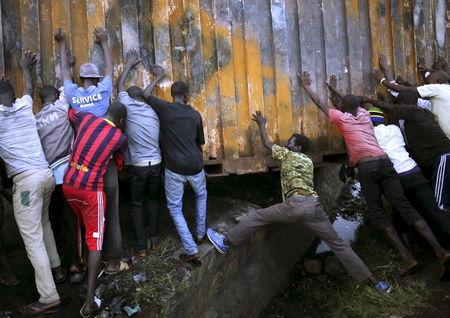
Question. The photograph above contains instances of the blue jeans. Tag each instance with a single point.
(174, 184)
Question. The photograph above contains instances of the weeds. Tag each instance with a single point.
(164, 275)
(409, 296)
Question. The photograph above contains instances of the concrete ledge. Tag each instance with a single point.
(241, 283)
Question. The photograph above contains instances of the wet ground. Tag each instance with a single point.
(323, 295)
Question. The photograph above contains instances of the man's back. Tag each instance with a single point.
(439, 94)
(181, 136)
(20, 146)
(94, 144)
(142, 130)
(426, 140)
(94, 99)
(54, 130)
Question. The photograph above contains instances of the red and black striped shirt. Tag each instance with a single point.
(94, 144)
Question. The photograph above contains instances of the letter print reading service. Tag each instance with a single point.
(87, 101)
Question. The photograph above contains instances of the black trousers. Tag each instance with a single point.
(145, 194)
(63, 223)
(377, 178)
(421, 196)
(112, 244)
(2, 220)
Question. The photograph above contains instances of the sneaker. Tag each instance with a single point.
(217, 240)
(383, 287)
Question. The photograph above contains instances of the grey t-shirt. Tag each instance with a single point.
(20, 146)
(54, 130)
(142, 130)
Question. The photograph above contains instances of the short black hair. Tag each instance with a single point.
(408, 97)
(117, 111)
(47, 92)
(179, 89)
(135, 92)
(441, 76)
(302, 141)
(6, 87)
(350, 102)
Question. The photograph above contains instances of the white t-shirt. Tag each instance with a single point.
(391, 140)
(439, 94)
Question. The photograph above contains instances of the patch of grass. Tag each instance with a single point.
(165, 276)
(409, 297)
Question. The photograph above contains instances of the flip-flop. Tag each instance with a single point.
(61, 280)
(98, 302)
(30, 310)
(445, 275)
(14, 283)
(122, 267)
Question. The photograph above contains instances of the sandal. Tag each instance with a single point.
(122, 267)
(98, 302)
(14, 283)
(32, 309)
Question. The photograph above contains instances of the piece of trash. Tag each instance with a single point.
(139, 278)
(130, 311)
(5, 314)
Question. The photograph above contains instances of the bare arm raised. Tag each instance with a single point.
(102, 38)
(305, 82)
(132, 60)
(60, 37)
(158, 71)
(27, 62)
(262, 124)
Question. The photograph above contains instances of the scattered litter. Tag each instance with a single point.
(5, 314)
(139, 278)
(130, 311)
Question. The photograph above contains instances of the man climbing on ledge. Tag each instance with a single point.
(301, 204)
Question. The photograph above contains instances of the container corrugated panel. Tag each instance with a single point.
(238, 56)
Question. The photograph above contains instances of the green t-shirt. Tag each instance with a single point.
(297, 172)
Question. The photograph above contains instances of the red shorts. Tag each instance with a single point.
(88, 206)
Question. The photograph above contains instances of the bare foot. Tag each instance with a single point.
(409, 268)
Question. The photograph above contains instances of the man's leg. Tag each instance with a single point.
(113, 233)
(6, 274)
(198, 183)
(371, 186)
(255, 220)
(138, 180)
(422, 197)
(394, 193)
(153, 203)
(93, 219)
(174, 184)
(28, 200)
(441, 182)
(48, 185)
(320, 224)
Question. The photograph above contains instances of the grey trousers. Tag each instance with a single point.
(32, 191)
(308, 211)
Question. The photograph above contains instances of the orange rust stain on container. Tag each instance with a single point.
(219, 48)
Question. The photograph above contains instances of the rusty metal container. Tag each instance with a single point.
(238, 56)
